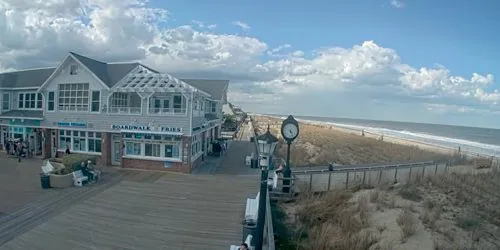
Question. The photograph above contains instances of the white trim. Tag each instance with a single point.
(21, 88)
(191, 111)
(22, 117)
(151, 158)
(10, 102)
(47, 101)
(59, 67)
(151, 132)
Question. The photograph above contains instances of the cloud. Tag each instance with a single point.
(397, 4)
(242, 25)
(365, 80)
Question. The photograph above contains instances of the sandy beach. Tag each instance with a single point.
(319, 144)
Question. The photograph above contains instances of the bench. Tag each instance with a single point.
(79, 178)
(47, 168)
(252, 209)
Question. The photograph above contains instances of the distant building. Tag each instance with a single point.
(127, 113)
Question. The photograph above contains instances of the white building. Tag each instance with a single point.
(127, 113)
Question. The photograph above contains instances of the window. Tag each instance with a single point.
(119, 99)
(96, 100)
(79, 141)
(6, 101)
(214, 107)
(172, 150)
(195, 145)
(133, 148)
(73, 70)
(152, 149)
(73, 97)
(178, 103)
(94, 142)
(51, 101)
(30, 100)
(64, 139)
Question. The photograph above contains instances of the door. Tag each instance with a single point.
(53, 144)
(117, 153)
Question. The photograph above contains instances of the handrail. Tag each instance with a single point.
(351, 168)
(269, 236)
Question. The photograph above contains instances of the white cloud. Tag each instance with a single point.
(242, 25)
(40, 33)
(397, 4)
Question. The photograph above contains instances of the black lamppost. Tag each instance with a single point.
(266, 144)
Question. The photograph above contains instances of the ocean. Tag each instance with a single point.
(484, 141)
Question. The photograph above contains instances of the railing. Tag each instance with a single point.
(167, 111)
(250, 224)
(124, 110)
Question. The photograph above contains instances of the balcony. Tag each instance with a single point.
(124, 110)
(167, 111)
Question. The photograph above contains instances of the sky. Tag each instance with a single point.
(404, 60)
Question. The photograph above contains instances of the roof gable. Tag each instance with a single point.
(216, 88)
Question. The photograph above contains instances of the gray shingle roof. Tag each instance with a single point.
(36, 114)
(25, 78)
(216, 88)
(109, 73)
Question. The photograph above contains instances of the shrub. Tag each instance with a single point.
(408, 223)
(410, 192)
(73, 162)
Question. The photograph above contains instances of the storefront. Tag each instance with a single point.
(23, 129)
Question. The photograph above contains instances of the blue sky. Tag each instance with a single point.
(461, 35)
(405, 60)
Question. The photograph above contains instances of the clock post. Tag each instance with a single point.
(289, 131)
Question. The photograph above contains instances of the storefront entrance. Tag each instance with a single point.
(116, 149)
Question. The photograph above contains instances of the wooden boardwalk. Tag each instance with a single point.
(171, 211)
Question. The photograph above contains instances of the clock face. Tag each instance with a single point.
(290, 131)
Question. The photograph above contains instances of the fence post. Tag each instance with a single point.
(436, 170)
(347, 180)
(409, 177)
(423, 172)
(310, 182)
(329, 180)
(379, 176)
(396, 176)
(364, 177)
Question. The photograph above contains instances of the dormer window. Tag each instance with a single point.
(73, 69)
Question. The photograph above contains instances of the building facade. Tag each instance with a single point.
(127, 113)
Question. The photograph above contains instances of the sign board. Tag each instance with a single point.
(146, 128)
(24, 122)
(72, 124)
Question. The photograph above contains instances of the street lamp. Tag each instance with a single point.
(266, 144)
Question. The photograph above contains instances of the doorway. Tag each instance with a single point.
(53, 139)
(117, 152)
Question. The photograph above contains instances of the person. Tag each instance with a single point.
(330, 167)
(67, 149)
(244, 246)
(19, 149)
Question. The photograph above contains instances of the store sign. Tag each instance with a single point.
(146, 128)
(24, 122)
(72, 124)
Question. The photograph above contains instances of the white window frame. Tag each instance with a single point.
(82, 106)
(69, 134)
(91, 99)
(53, 101)
(154, 139)
(73, 69)
(8, 101)
(38, 99)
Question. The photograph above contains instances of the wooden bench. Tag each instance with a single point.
(79, 178)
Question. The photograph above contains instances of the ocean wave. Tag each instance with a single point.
(432, 139)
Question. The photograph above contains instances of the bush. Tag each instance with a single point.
(73, 162)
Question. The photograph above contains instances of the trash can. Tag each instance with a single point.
(45, 181)
(249, 227)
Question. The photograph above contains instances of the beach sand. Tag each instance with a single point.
(319, 144)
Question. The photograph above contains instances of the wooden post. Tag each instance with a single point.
(310, 181)
(396, 176)
(436, 170)
(379, 176)
(423, 172)
(364, 177)
(329, 180)
(347, 180)
(409, 177)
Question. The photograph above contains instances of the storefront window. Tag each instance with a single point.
(152, 149)
(172, 150)
(133, 148)
(152, 145)
(80, 141)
